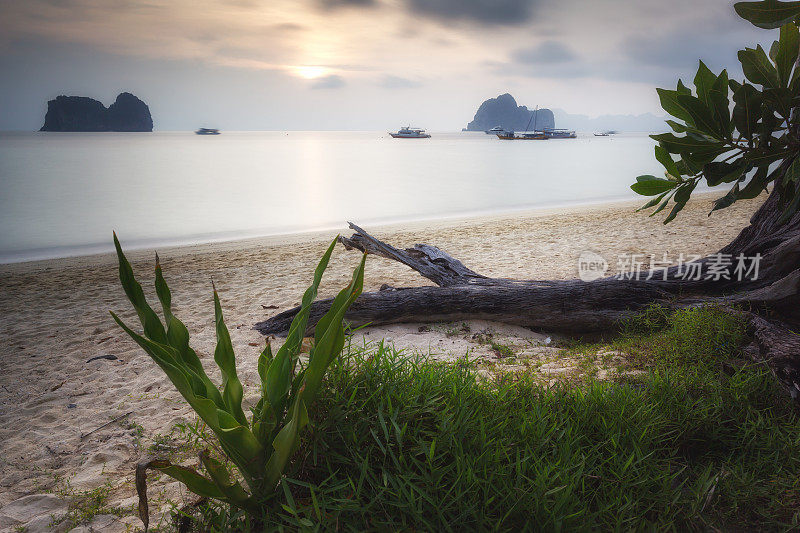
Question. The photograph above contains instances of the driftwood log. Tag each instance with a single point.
(770, 301)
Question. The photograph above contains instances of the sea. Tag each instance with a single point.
(62, 194)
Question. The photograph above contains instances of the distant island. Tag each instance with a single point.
(503, 111)
(79, 113)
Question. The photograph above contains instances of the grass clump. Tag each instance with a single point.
(400, 443)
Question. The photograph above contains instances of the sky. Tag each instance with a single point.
(357, 64)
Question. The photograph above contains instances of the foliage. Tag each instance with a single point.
(258, 447)
(742, 133)
(404, 444)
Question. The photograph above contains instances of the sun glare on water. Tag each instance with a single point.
(310, 72)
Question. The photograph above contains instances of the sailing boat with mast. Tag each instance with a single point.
(525, 135)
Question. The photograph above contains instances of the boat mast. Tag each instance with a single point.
(533, 118)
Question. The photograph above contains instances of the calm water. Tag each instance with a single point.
(63, 193)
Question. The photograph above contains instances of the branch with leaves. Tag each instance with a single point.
(745, 133)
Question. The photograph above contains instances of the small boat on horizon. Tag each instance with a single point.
(207, 131)
(407, 132)
(495, 130)
(554, 133)
(523, 136)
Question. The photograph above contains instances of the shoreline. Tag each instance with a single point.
(199, 242)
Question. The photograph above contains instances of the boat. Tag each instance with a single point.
(207, 131)
(522, 136)
(532, 135)
(554, 133)
(407, 132)
(495, 130)
(602, 134)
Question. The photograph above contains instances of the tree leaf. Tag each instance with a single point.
(701, 114)
(652, 186)
(788, 47)
(769, 14)
(653, 201)
(747, 110)
(727, 200)
(720, 105)
(663, 157)
(689, 143)
(703, 81)
(792, 174)
(718, 172)
(677, 127)
(756, 184)
(681, 197)
(669, 101)
(757, 67)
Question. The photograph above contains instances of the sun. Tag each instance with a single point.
(310, 72)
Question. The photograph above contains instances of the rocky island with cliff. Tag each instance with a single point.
(503, 111)
(82, 114)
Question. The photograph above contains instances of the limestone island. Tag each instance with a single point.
(503, 111)
(79, 113)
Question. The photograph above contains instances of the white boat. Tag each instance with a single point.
(407, 132)
(553, 133)
(496, 130)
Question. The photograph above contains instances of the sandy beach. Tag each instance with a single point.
(54, 318)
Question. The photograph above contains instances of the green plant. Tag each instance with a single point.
(750, 142)
(260, 447)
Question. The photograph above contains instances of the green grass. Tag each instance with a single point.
(398, 443)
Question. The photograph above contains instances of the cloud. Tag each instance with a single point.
(547, 52)
(332, 81)
(681, 48)
(396, 82)
(335, 4)
(484, 12)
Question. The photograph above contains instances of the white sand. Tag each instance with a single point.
(55, 317)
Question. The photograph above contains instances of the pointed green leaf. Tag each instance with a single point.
(756, 184)
(769, 14)
(788, 48)
(233, 491)
(278, 375)
(690, 143)
(720, 105)
(669, 101)
(153, 328)
(718, 172)
(681, 197)
(232, 391)
(285, 443)
(653, 201)
(703, 81)
(747, 111)
(652, 186)
(663, 157)
(757, 67)
(727, 200)
(332, 339)
(701, 115)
